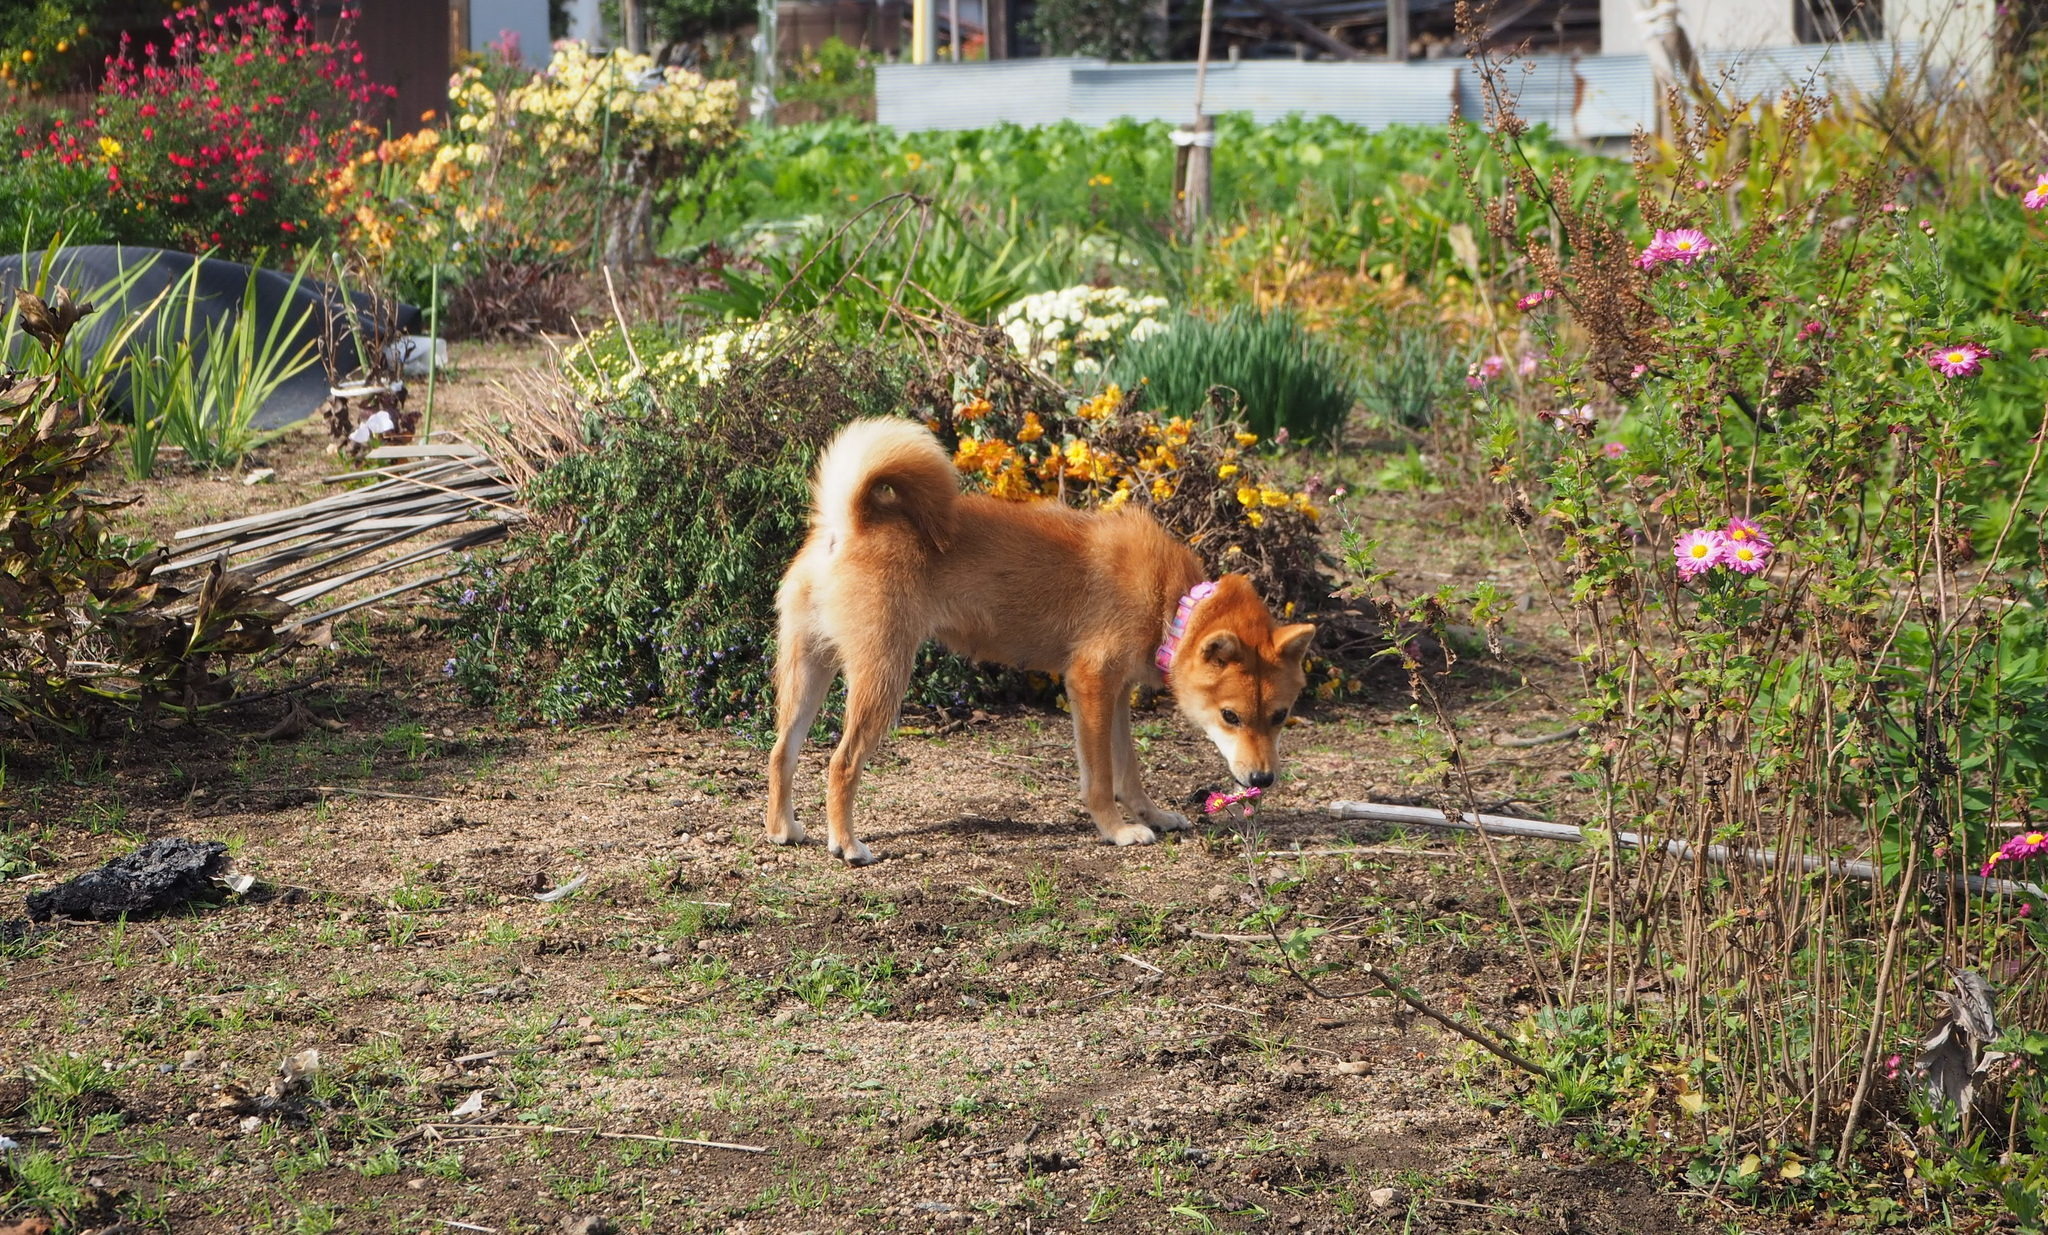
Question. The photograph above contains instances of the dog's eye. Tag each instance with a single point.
(1280, 717)
(1229, 717)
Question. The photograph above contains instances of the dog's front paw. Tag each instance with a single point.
(858, 855)
(1167, 820)
(792, 833)
(1130, 834)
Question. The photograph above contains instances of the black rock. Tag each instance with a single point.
(161, 875)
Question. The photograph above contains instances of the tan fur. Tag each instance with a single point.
(898, 555)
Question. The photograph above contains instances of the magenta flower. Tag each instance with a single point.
(2018, 849)
(1614, 450)
(1699, 551)
(1534, 299)
(2038, 199)
(1746, 557)
(1484, 371)
(1684, 245)
(1740, 529)
(1958, 360)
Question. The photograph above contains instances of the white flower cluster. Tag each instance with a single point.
(599, 368)
(1076, 329)
(582, 101)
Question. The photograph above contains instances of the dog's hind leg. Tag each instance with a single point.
(803, 673)
(876, 677)
(1092, 696)
(1130, 787)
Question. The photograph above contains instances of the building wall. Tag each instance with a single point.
(490, 20)
(406, 44)
(1724, 25)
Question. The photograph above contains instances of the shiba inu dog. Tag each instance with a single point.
(897, 554)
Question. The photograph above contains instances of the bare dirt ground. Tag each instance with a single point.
(1002, 1026)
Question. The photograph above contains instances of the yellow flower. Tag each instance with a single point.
(1033, 428)
(1226, 471)
(1247, 496)
(913, 158)
(1273, 497)
(1257, 518)
(973, 409)
(1122, 495)
(1162, 488)
(109, 147)
(1246, 439)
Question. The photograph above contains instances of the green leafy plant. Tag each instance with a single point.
(651, 572)
(201, 387)
(1264, 366)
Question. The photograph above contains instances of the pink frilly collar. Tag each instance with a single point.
(1178, 627)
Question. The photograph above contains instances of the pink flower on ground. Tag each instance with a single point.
(1958, 360)
(1534, 299)
(2018, 849)
(2038, 199)
(1614, 450)
(1699, 551)
(1684, 245)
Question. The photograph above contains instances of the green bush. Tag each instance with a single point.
(1273, 372)
(651, 569)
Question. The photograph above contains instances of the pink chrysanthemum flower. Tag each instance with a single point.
(1614, 450)
(1684, 245)
(1958, 360)
(1534, 299)
(2018, 849)
(1699, 551)
(1740, 529)
(1745, 557)
(2038, 199)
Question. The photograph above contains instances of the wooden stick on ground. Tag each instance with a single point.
(1505, 825)
(553, 1130)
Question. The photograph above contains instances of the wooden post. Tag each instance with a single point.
(953, 30)
(1194, 204)
(1192, 164)
(767, 41)
(995, 14)
(636, 25)
(1397, 30)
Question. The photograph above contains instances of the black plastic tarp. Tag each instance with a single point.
(312, 309)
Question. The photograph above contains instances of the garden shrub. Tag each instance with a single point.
(650, 571)
(531, 169)
(227, 141)
(651, 567)
(1261, 365)
(1810, 621)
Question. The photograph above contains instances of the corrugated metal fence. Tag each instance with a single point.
(1587, 97)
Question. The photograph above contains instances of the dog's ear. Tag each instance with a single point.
(1221, 648)
(1291, 642)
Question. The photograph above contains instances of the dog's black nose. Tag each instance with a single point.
(1260, 780)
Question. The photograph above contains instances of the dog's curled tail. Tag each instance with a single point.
(887, 471)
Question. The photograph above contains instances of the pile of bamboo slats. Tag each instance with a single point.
(311, 551)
